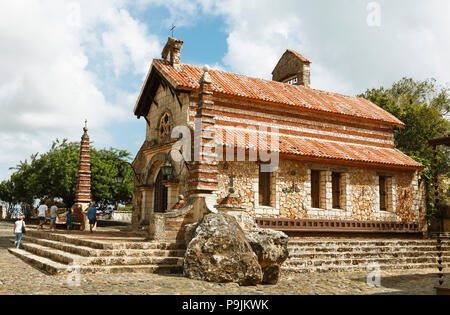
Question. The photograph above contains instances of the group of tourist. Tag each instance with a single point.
(42, 211)
(42, 214)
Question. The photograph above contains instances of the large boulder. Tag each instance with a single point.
(271, 247)
(189, 233)
(219, 252)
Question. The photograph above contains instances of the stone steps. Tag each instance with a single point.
(90, 252)
(347, 268)
(445, 235)
(350, 243)
(356, 255)
(41, 263)
(56, 268)
(365, 249)
(68, 258)
(99, 244)
(55, 253)
(361, 261)
(334, 255)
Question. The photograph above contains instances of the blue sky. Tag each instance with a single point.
(207, 32)
(62, 61)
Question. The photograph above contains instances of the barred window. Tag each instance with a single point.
(336, 189)
(264, 188)
(383, 194)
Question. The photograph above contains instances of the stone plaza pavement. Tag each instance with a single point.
(17, 277)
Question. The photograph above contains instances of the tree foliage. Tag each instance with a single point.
(53, 175)
(424, 107)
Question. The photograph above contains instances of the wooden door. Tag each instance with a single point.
(161, 193)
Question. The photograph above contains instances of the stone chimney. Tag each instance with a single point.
(172, 51)
(293, 69)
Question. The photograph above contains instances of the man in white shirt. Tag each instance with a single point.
(53, 215)
(42, 212)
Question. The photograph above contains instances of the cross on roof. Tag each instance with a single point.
(172, 28)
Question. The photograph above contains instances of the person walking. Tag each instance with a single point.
(53, 215)
(19, 229)
(92, 216)
(69, 220)
(42, 212)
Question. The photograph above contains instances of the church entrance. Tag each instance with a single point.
(161, 193)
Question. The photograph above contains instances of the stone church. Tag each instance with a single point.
(291, 157)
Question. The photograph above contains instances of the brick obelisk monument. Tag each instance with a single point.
(83, 191)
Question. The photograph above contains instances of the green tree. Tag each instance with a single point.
(424, 107)
(53, 175)
(106, 166)
(7, 194)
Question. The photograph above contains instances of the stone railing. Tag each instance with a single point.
(3, 213)
(289, 225)
(122, 216)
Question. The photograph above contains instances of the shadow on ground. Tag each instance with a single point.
(5, 242)
(409, 284)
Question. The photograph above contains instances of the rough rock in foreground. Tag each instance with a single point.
(271, 247)
(220, 253)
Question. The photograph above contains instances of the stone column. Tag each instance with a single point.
(83, 190)
(172, 195)
(2, 213)
(157, 227)
(147, 203)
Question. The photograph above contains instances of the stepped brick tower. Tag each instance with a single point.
(83, 192)
(203, 173)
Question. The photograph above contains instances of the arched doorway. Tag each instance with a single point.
(161, 193)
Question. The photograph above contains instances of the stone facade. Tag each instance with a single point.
(121, 216)
(291, 197)
(342, 151)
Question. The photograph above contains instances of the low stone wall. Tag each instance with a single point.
(122, 216)
(2, 212)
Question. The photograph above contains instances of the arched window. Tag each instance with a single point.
(165, 127)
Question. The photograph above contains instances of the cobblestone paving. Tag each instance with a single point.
(17, 277)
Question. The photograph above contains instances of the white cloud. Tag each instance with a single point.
(128, 43)
(47, 87)
(64, 61)
(347, 55)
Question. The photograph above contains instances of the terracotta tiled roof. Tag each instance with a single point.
(186, 77)
(320, 149)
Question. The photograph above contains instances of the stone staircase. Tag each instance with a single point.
(445, 235)
(357, 255)
(58, 253)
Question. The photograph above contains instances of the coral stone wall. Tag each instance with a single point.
(359, 192)
(167, 102)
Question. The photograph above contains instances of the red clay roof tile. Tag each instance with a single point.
(187, 77)
(312, 148)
